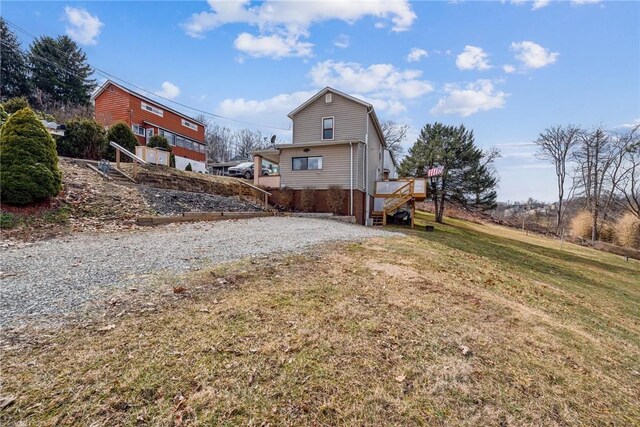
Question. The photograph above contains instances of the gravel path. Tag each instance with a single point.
(50, 279)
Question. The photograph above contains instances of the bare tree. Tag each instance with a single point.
(395, 135)
(555, 145)
(629, 183)
(219, 143)
(247, 140)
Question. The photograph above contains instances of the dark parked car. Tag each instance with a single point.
(245, 170)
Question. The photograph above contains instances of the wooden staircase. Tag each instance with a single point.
(393, 202)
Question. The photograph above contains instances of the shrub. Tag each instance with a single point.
(15, 104)
(286, 196)
(307, 199)
(7, 220)
(84, 139)
(335, 199)
(628, 231)
(581, 225)
(189, 168)
(28, 161)
(120, 133)
(159, 141)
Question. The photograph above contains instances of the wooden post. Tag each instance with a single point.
(117, 158)
(135, 169)
(257, 169)
(413, 211)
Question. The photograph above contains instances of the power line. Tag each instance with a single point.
(111, 76)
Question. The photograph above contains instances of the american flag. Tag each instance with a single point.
(435, 171)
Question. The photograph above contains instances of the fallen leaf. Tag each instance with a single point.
(400, 378)
(107, 328)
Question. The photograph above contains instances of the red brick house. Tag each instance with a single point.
(114, 103)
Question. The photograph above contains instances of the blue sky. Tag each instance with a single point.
(507, 69)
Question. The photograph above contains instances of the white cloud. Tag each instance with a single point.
(473, 58)
(169, 90)
(532, 55)
(272, 111)
(273, 46)
(581, 2)
(292, 20)
(82, 27)
(539, 4)
(631, 125)
(342, 41)
(383, 81)
(509, 68)
(417, 54)
(473, 98)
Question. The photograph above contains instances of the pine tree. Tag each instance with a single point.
(468, 178)
(14, 80)
(60, 72)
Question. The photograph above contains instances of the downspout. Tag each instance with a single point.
(366, 169)
(351, 180)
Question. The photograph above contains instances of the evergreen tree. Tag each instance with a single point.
(83, 139)
(14, 81)
(120, 133)
(468, 178)
(28, 161)
(60, 72)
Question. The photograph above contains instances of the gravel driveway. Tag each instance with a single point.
(50, 279)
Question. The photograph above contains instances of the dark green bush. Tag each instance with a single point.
(84, 139)
(159, 141)
(189, 168)
(28, 161)
(7, 220)
(120, 133)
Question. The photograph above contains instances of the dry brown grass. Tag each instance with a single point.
(468, 325)
(628, 231)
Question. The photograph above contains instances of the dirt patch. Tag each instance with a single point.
(87, 203)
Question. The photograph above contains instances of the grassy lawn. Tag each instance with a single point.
(468, 325)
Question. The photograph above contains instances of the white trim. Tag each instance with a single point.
(135, 126)
(151, 109)
(188, 124)
(333, 128)
(322, 92)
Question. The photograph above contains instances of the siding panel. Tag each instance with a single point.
(349, 120)
(335, 167)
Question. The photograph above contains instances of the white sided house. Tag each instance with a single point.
(337, 142)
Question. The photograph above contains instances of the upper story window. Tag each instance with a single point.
(327, 98)
(189, 124)
(306, 163)
(327, 128)
(152, 109)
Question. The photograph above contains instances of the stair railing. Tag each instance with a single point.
(120, 149)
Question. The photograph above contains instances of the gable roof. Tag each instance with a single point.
(106, 84)
(322, 92)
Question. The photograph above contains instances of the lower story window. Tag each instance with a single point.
(138, 130)
(306, 163)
